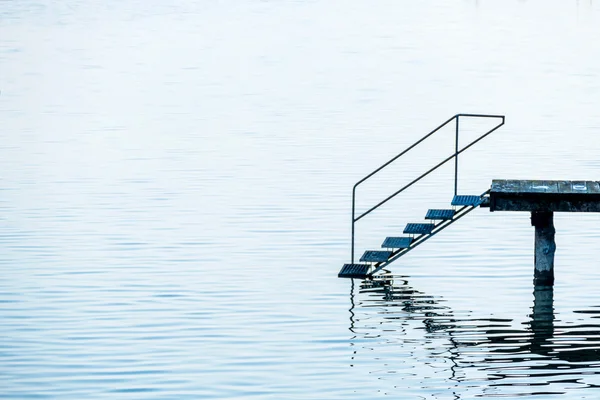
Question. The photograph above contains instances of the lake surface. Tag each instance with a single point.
(175, 194)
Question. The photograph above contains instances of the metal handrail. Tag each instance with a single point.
(455, 156)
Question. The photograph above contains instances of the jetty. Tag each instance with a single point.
(541, 198)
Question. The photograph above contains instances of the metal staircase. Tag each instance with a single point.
(437, 220)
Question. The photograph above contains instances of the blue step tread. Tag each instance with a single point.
(440, 214)
(397, 242)
(358, 271)
(465, 200)
(376, 255)
(419, 228)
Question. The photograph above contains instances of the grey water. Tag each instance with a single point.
(175, 191)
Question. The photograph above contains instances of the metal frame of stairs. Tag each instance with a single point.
(379, 259)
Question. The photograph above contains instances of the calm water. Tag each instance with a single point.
(175, 199)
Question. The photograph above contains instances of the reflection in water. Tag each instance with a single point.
(542, 356)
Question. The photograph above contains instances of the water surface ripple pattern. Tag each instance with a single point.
(175, 181)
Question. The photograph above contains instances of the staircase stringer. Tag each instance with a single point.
(423, 238)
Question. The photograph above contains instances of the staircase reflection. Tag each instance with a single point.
(509, 353)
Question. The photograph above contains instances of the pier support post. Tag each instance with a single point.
(545, 247)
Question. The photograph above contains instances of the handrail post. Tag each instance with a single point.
(456, 158)
(353, 222)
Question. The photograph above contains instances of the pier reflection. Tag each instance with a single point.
(541, 355)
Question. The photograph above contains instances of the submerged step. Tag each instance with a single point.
(397, 242)
(440, 214)
(376, 255)
(466, 200)
(419, 229)
(358, 271)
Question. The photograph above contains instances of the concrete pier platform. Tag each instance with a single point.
(542, 199)
(554, 196)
